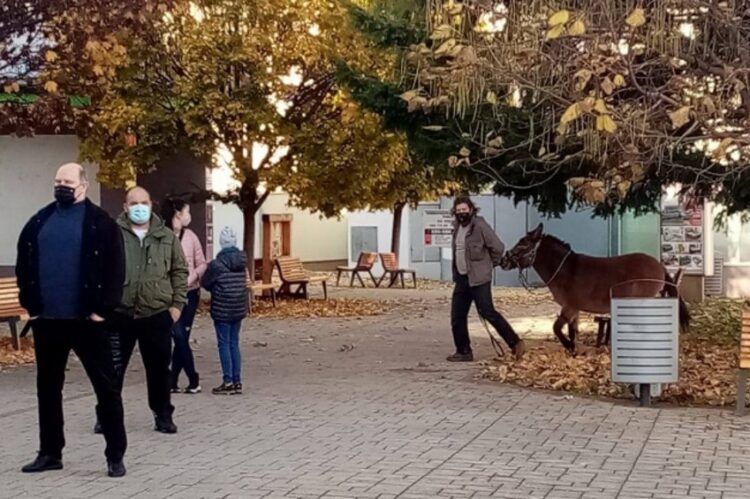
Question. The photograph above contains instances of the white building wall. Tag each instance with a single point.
(27, 173)
(314, 239)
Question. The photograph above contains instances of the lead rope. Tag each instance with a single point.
(496, 345)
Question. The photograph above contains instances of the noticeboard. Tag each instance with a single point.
(438, 228)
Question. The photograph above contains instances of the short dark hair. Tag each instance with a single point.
(464, 200)
(170, 207)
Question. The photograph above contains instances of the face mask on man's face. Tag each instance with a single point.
(463, 218)
(65, 195)
(139, 214)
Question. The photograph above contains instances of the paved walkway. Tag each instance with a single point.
(388, 418)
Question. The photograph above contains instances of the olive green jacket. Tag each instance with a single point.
(155, 270)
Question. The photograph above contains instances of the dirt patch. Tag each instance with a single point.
(10, 357)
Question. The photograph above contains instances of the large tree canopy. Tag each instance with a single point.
(612, 98)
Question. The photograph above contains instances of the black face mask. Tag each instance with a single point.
(65, 195)
(463, 218)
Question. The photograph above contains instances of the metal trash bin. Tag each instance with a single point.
(645, 342)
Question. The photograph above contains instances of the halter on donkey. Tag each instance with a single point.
(582, 283)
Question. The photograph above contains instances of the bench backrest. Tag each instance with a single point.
(9, 304)
(366, 260)
(291, 269)
(745, 339)
(390, 262)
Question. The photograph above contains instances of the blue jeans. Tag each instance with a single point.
(182, 356)
(228, 336)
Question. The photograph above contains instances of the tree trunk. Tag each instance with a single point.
(248, 215)
(398, 211)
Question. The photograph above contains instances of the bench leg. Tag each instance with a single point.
(394, 279)
(403, 284)
(360, 279)
(325, 290)
(741, 391)
(14, 334)
(26, 329)
(351, 282)
(608, 332)
(374, 281)
(273, 297)
(600, 334)
(414, 279)
(338, 278)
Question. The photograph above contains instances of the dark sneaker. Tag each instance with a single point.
(43, 463)
(165, 425)
(223, 389)
(461, 357)
(115, 469)
(237, 389)
(519, 349)
(175, 389)
(98, 428)
(193, 389)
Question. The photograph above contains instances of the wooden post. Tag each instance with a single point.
(741, 391)
(744, 362)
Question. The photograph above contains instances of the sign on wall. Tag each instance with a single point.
(683, 241)
(438, 228)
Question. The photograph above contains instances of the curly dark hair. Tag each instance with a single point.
(464, 200)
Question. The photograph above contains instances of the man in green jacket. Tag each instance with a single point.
(154, 292)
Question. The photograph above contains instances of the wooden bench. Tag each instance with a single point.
(744, 361)
(292, 273)
(390, 266)
(11, 310)
(365, 262)
(258, 288)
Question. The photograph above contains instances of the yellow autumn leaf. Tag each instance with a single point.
(605, 123)
(50, 56)
(623, 188)
(601, 106)
(465, 152)
(576, 182)
(680, 117)
(598, 196)
(577, 28)
(582, 78)
(491, 98)
(636, 18)
(555, 32)
(98, 70)
(445, 47)
(570, 114)
(558, 18)
(441, 32)
(619, 80)
(51, 87)
(607, 86)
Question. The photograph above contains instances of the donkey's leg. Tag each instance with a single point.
(573, 330)
(558, 329)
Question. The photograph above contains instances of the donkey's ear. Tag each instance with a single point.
(537, 233)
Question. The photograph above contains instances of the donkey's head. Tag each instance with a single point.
(523, 254)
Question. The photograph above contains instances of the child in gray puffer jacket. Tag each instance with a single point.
(226, 279)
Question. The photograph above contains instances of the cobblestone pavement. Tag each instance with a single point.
(388, 418)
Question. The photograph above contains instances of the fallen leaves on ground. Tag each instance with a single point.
(508, 298)
(334, 307)
(9, 356)
(708, 362)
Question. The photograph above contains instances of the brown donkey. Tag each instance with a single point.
(581, 283)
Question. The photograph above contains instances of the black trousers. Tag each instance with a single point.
(463, 296)
(53, 341)
(154, 338)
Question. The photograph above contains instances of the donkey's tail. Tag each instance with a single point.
(670, 289)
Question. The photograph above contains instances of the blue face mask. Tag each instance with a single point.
(139, 214)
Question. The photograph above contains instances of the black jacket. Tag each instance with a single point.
(102, 262)
(226, 279)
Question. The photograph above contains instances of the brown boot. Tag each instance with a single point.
(461, 357)
(519, 349)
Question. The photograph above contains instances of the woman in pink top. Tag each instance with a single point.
(176, 214)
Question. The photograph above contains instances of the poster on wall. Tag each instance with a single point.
(438, 228)
(682, 234)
